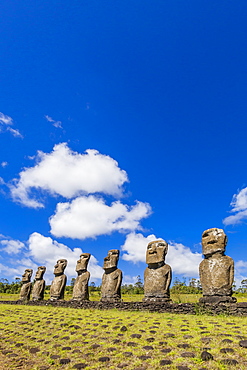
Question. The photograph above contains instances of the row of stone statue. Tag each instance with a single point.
(216, 274)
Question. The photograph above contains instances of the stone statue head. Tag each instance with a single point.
(83, 262)
(111, 260)
(213, 240)
(26, 277)
(59, 267)
(156, 251)
(40, 273)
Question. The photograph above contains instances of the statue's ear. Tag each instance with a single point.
(226, 240)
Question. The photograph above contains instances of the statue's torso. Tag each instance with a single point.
(157, 281)
(38, 289)
(25, 291)
(80, 289)
(216, 275)
(58, 286)
(111, 283)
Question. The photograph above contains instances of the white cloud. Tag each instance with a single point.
(239, 207)
(181, 259)
(88, 217)
(5, 120)
(57, 124)
(12, 271)
(2, 181)
(127, 279)
(46, 251)
(4, 164)
(135, 247)
(41, 250)
(241, 265)
(8, 121)
(240, 272)
(12, 246)
(15, 132)
(70, 174)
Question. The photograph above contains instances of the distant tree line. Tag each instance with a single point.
(10, 288)
(179, 287)
(242, 288)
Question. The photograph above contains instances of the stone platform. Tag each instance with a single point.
(237, 309)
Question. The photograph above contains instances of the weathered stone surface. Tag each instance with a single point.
(39, 285)
(235, 309)
(243, 343)
(206, 356)
(157, 276)
(26, 285)
(216, 270)
(112, 278)
(59, 282)
(217, 299)
(80, 289)
(165, 362)
(229, 361)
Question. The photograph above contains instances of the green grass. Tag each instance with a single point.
(95, 296)
(92, 334)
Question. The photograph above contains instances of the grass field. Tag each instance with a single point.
(95, 296)
(47, 337)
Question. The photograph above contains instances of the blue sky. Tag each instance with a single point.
(121, 122)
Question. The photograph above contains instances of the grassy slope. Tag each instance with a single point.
(85, 336)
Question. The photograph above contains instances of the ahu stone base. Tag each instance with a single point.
(213, 299)
(237, 309)
(156, 299)
(110, 300)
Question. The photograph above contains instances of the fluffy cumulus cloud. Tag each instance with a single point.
(5, 125)
(46, 251)
(17, 271)
(11, 246)
(90, 216)
(69, 174)
(135, 247)
(239, 208)
(40, 250)
(182, 260)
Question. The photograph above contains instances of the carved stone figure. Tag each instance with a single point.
(158, 275)
(216, 270)
(112, 278)
(59, 283)
(39, 285)
(80, 289)
(26, 285)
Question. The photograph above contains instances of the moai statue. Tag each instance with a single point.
(80, 290)
(39, 285)
(26, 285)
(216, 270)
(112, 278)
(158, 275)
(59, 283)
